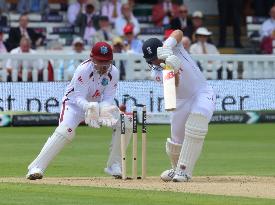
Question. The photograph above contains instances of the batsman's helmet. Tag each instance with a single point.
(149, 49)
(102, 51)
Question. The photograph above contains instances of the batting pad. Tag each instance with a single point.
(173, 151)
(115, 149)
(196, 128)
(52, 147)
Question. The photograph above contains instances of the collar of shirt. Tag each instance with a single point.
(23, 29)
(183, 22)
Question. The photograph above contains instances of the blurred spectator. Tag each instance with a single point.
(15, 34)
(3, 48)
(105, 32)
(186, 42)
(24, 47)
(74, 9)
(164, 12)
(3, 6)
(79, 7)
(77, 48)
(202, 46)
(262, 7)
(85, 22)
(182, 21)
(112, 9)
(23, 6)
(78, 45)
(132, 44)
(230, 10)
(39, 6)
(118, 47)
(268, 44)
(96, 4)
(126, 18)
(3, 19)
(197, 22)
(269, 25)
(26, 6)
(131, 3)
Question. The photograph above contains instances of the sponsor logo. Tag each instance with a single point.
(103, 50)
(149, 50)
(169, 75)
(80, 79)
(4, 120)
(96, 94)
(104, 82)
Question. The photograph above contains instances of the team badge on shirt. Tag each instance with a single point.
(80, 79)
(104, 82)
(103, 50)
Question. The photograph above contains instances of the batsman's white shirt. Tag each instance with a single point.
(87, 86)
(193, 94)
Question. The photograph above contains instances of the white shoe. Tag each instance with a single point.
(181, 176)
(168, 175)
(114, 170)
(34, 173)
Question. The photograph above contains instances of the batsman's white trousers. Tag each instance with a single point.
(203, 102)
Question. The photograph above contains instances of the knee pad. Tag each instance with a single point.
(204, 111)
(65, 131)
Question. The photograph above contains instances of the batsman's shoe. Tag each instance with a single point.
(114, 170)
(34, 173)
(181, 176)
(168, 175)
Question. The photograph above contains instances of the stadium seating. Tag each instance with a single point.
(241, 66)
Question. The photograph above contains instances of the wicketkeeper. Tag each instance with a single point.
(89, 97)
(195, 103)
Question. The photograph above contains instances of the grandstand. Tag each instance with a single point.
(53, 24)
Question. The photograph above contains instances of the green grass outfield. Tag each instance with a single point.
(229, 150)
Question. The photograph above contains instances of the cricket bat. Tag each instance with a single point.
(169, 88)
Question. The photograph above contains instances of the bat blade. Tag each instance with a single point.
(169, 90)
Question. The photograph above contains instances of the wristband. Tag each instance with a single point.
(170, 42)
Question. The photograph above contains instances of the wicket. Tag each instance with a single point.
(135, 145)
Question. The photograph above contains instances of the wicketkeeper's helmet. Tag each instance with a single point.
(149, 49)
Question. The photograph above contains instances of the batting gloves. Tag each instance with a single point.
(172, 62)
(164, 52)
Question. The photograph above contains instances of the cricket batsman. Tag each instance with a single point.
(89, 97)
(195, 104)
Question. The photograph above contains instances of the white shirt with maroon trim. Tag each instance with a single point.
(89, 86)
